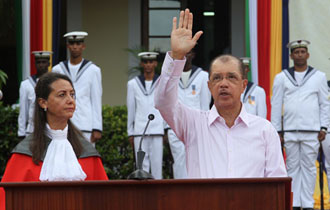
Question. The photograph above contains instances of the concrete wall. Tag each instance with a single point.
(134, 32)
(106, 21)
(74, 15)
(107, 25)
(237, 28)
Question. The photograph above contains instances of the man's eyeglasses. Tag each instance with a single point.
(232, 77)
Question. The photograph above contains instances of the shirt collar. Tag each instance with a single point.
(242, 117)
(213, 115)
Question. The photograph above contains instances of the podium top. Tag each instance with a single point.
(192, 194)
(151, 182)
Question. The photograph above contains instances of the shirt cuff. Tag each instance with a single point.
(173, 67)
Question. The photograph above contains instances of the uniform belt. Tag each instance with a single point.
(84, 131)
(296, 131)
(149, 135)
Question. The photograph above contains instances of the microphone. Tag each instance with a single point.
(139, 173)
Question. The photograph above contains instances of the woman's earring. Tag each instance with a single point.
(45, 109)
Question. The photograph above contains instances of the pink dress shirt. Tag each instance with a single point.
(250, 148)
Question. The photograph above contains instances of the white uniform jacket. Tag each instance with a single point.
(88, 88)
(26, 106)
(196, 94)
(305, 106)
(254, 100)
(140, 103)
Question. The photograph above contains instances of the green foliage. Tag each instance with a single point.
(8, 133)
(114, 147)
(3, 78)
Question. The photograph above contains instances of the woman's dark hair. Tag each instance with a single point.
(38, 143)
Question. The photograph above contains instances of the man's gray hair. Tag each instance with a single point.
(226, 59)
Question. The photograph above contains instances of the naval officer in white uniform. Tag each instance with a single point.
(27, 93)
(87, 82)
(140, 103)
(193, 92)
(326, 146)
(254, 96)
(302, 93)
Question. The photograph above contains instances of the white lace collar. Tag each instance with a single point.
(60, 163)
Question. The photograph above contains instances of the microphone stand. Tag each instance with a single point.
(139, 173)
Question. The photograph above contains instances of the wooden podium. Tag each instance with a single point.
(190, 194)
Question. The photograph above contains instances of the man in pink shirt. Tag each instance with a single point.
(225, 141)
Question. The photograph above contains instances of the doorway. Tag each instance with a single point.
(213, 18)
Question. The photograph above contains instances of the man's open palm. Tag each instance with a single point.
(181, 37)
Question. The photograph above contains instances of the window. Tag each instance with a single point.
(211, 16)
(157, 23)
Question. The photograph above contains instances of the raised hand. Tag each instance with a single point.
(182, 40)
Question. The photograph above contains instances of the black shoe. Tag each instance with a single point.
(308, 209)
(296, 208)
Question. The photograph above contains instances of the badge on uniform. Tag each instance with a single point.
(252, 100)
(193, 89)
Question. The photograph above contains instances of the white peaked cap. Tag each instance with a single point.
(297, 44)
(76, 35)
(245, 60)
(42, 54)
(148, 55)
